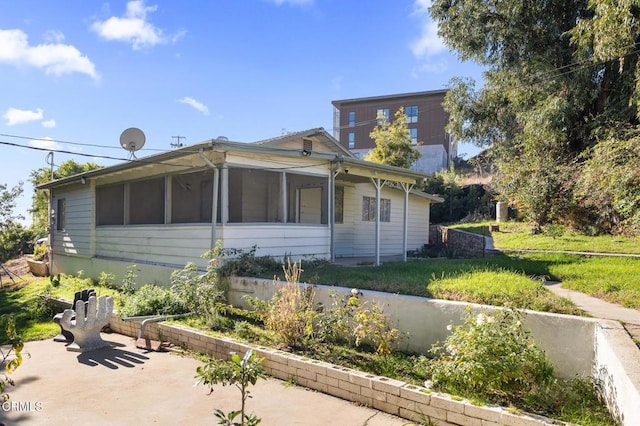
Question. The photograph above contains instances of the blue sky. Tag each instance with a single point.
(74, 74)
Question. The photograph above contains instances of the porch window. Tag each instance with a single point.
(254, 196)
(369, 209)
(191, 197)
(146, 201)
(110, 205)
(307, 199)
(61, 214)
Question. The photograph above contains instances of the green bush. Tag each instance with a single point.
(15, 240)
(152, 300)
(490, 357)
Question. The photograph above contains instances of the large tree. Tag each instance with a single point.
(561, 77)
(42, 175)
(8, 197)
(393, 142)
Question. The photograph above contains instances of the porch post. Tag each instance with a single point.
(405, 225)
(283, 196)
(376, 182)
(224, 194)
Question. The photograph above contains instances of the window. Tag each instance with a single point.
(414, 136)
(254, 196)
(191, 197)
(110, 205)
(352, 140)
(382, 116)
(339, 205)
(412, 114)
(369, 209)
(146, 201)
(352, 119)
(307, 199)
(61, 214)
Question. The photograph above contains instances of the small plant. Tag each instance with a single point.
(290, 312)
(54, 280)
(239, 372)
(490, 357)
(41, 252)
(128, 285)
(106, 279)
(10, 353)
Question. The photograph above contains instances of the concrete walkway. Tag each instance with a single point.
(123, 385)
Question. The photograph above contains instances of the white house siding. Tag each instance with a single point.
(163, 244)
(276, 240)
(75, 239)
(362, 233)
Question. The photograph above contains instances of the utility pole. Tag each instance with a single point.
(177, 144)
(50, 212)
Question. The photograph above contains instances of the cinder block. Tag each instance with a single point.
(386, 407)
(361, 379)
(445, 402)
(339, 373)
(415, 393)
(508, 419)
(484, 412)
(387, 385)
(309, 375)
(350, 387)
(462, 420)
(330, 381)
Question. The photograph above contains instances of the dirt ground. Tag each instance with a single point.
(15, 272)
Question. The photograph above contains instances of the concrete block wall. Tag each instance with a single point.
(460, 243)
(408, 401)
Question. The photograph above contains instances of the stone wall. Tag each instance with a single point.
(457, 243)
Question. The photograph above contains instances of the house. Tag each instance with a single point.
(298, 195)
(354, 119)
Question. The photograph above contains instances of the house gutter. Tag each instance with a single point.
(335, 166)
(214, 201)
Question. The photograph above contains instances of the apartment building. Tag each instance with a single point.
(354, 119)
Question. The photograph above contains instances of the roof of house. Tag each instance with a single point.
(397, 96)
(344, 162)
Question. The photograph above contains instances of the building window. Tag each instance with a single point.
(191, 197)
(110, 205)
(339, 204)
(61, 214)
(382, 116)
(412, 114)
(352, 140)
(369, 209)
(414, 136)
(146, 201)
(352, 119)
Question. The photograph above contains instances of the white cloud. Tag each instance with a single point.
(46, 143)
(429, 43)
(437, 67)
(20, 116)
(49, 124)
(134, 28)
(197, 105)
(53, 57)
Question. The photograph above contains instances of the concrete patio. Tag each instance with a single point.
(123, 385)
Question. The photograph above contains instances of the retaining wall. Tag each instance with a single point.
(458, 243)
(411, 402)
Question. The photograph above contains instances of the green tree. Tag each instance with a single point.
(560, 75)
(8, 199)
(393, 142)
(40, 202)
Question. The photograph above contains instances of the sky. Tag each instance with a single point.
(74, 74)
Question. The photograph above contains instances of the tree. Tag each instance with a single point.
(8, 204)
(560, 75)
(393, 142)
(42, 175)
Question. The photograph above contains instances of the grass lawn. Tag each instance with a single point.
(517, 236)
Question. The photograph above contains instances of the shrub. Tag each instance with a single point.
(290, 313)
(490, 357)
(15, 240)
(152, 300)
(246, 263)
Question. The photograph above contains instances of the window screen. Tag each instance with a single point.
(146, 201)
(110, 205)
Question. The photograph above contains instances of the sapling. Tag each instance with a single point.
(240, 372)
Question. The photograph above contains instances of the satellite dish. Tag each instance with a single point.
(132, 140)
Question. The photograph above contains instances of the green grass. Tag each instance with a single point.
(517, 236)
(21, 303)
